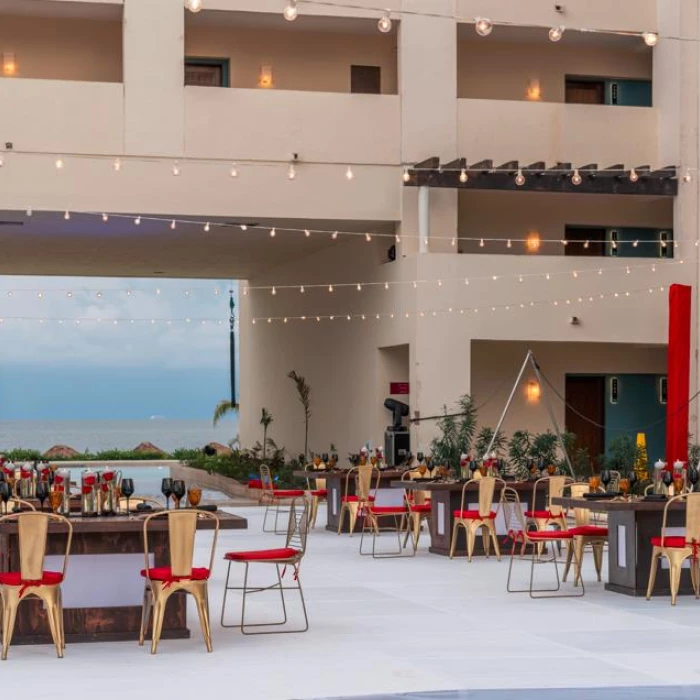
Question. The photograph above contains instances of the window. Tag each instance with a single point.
(603, 91)
(366, 79)
(207, 72)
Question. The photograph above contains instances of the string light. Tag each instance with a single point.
(334, 235)
(556, 33)
(105, 218)
(244, 227)
(483, 26)
(481, 243)
(137, 221)
(687, 178)
(176, 168)
(194, 5)
(359, 287)
(2, 161)
(384, 23)
(406, 175)
(330, 288)
(29, 211)
(291, 172)
(650, 38)
(207, 227)
(117, 165)
(273, 232)
(59, 164)
(173, 224)
(633, 175)
(349, 175)
(307, 233)
(290, 10)
(576, 178)
(520, 178)
(234, 171)
(66, 215)
(463, 177)
(368, 238)
(509, 244)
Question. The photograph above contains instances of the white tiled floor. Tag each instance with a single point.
(396, 625)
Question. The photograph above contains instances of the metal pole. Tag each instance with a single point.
(423, 218)
(508, 403)
(232, 345)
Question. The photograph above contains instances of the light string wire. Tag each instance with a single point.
(464, 19)
(273, 230)
(74, 293)
(563, 302)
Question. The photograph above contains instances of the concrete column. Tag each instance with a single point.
(423, 219)
(154, 110)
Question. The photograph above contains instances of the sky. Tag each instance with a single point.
(83, 369)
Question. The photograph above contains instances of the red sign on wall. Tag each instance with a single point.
(398, 388)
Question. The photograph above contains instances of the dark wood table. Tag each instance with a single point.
(336, 482)
(446, 497)
(102, 602)
(631, 525)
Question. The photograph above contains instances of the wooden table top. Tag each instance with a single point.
(607, 506)
(131, 523)
(429, 485)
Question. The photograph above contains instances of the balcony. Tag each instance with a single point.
(272, 125)
(506, 130)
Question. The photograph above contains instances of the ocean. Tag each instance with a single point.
(97, 435)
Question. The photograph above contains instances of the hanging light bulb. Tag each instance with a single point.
(556, 33)
(274, 291)
(576, 178)
(330, 288)
(359, 287)
(368, 238)
(291, 171)
(397, 238)
(105, 218)
(406, 174)
(59, 163)
(290, 10)
(117, 165)
(234, 171)
(520, 178)
(301, 289)
(384, 24)
(349, 175)
(173, 224)
(2, 161)
(483, 26)
(633, 175)
(463, 177)
(273, 232)
(176, 168)
(509, 244)
(307, 233)
(244, 227)
(386, 285)
(687, 177)
(453, 242)
(207, 227)
(66, 215)
(650, 38)
(194, 5)
(137, 221)
(481, 243)
(334, 235)
(586, 244)
(29, 211)
(634, 245)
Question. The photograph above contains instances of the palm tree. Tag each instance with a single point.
(265, 420)
(222, 408)
(304, 392)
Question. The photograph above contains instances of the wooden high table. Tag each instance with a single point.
(103, 589)
(446, 497)
(631, 525)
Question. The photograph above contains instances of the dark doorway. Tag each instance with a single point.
(366, 79)
(585, 396)
(585, 92)
(585, 241)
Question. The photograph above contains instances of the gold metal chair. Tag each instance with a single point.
(161, 582)
(481, 519)
(419, 508)
(290, 555)
(553, 514)
(354, 504)
(31, 579)
(274, 498)
(678, 548)
(373, 517)
(584, 533)
(316, 488)
(518, 533)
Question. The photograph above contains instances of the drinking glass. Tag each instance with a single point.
(42, 492)
(179, 491)
(605, 478)
(55, 499)
(5, 493)
(678, 485)
(594, 483)
(127, 489)
(625, 486)
(693, 476)
(166, 488)
(194, 496)
(420, 456)
(667, 478)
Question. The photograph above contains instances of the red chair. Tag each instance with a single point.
(518, 533)
(274, 498)
(290, 555)
(354, 504)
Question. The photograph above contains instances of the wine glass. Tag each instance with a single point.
(127, 489)
(166, 488)
(605, 478)
(179, 491)
(667, 479)
(194, 496)
(632, 478)
(42, 492)
(693, 476)
(5, 493)
(420, 456)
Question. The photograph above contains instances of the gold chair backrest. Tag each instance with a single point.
(32, 531)
(363, 481)
(692, 517)
(298, 525)
(487, 487)
(313, 483)
(182, 529)
(419, 497)
(582, 516)
(512, 510)
(266, 478)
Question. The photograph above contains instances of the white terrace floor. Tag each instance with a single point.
(391, 626)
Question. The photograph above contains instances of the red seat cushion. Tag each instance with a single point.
(473, 515)
(539, 514)
(164, 573)
(320, 493)
(262, 554)
(549, 535)
(677, 541)
(353, 499)
(14, 578)
(589, 531)
(422, 508)
(255, 484)
(388, 510)
(287, 493)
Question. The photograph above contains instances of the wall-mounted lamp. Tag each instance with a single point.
(265, 77)
(533, 391)
(9, 64)
(533, 91)
(532, 242)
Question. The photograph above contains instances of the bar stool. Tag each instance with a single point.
(32, 579)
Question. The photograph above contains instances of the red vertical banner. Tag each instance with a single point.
(677, 408)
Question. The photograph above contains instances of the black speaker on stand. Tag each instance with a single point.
(397, 438)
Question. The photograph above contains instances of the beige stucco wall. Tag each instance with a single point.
(63, 49)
